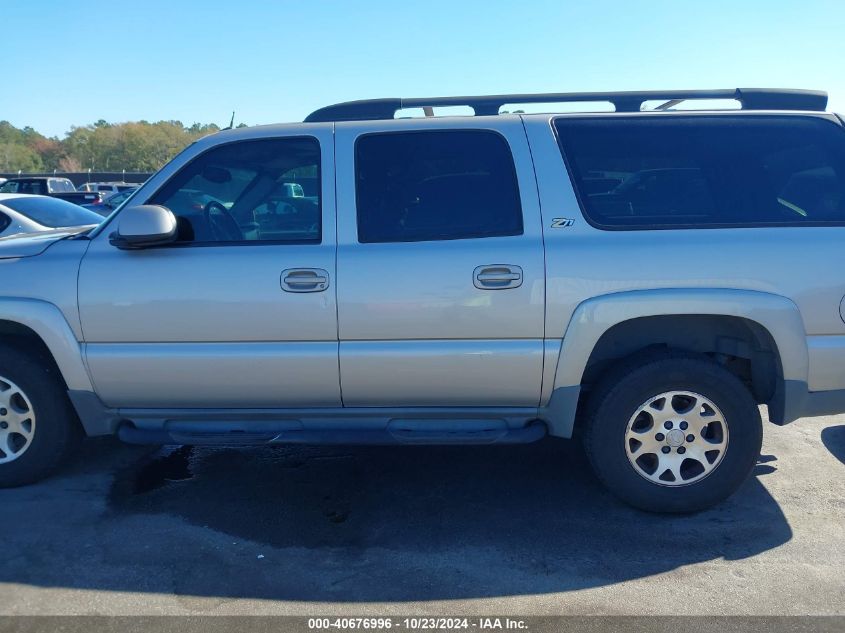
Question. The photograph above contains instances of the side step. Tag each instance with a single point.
(410, 431)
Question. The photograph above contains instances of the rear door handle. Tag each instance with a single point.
(497, 277)
(305, 280)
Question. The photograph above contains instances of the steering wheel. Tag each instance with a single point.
(223, 225)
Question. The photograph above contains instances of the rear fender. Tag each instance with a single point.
(592, 318)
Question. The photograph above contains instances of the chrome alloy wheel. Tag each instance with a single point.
(17, 421)
(676, 438)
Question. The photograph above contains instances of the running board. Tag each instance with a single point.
(412, 431)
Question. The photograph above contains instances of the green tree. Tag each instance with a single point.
(133, 146)
(15, 157)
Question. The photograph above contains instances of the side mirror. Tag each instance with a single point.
(144, 226)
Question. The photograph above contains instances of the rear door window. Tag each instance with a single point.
(675, 172)
(435, 185)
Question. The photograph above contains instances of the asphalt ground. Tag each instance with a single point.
(424, 530)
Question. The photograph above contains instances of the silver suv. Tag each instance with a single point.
(640, 279)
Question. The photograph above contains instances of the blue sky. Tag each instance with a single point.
(72, 63)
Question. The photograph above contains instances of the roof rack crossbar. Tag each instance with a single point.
(749, 98)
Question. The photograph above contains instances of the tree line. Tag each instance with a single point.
(102, 146)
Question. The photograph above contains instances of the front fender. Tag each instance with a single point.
(49, 323)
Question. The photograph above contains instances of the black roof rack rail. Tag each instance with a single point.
(750, 98)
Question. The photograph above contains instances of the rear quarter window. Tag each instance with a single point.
(60, 186)
(25, 186)
(700, 171)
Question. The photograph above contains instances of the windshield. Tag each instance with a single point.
(118, 198)
(52, 212)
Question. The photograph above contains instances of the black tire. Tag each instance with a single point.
(57, 430)
(632, 383)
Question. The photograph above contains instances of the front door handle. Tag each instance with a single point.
(497, 277)
(305, 280)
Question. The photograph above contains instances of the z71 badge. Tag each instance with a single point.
(562, 223)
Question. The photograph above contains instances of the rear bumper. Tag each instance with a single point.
(826, 355)
(823, 393)
(794, 401)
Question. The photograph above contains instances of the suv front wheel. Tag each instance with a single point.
(38, 427)
(672, 433)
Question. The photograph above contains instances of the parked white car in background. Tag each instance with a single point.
(21, 213)
(107, 188)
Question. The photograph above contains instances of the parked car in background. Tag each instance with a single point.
(293, 190)
(39, 185)
(49, 186)
(81, 197)
(24, 213)
(112, 202)
(107, 188)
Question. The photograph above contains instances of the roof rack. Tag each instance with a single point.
(750, 98)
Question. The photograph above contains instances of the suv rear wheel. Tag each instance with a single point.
(673, 432)
(38, 427)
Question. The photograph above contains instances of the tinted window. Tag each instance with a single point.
(25, 186)
(53, 212)
(700, 171)
(60, 185)
(5, 221)
(420, 186)
(247, 192)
